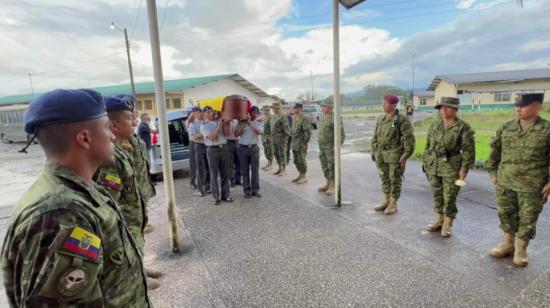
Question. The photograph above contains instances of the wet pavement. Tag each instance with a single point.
(290, 249)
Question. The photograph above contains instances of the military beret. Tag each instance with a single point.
(120, 103)
(523, 100)
(255, 109)
(196, 109)
(207, 108)
(63, 106)
(392, 99)
(298, 105)
(449, 102)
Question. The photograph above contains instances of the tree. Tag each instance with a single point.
(304, 98)
(376, 92)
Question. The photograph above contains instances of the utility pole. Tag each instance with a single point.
(413, 79)
(113, 27)
(337, 106)
(32, 88)
(311, 79)
(163, 126)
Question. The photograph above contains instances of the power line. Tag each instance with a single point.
(136, 18)
(164, 14)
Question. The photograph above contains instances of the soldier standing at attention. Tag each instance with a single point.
(519, 167)
(326, 145)
(448, 156)
(249, 153)
(392, 144)
(300, 133)
(215, 133)
(279, 133)
(120, 178)
(201, 161)
(67, 243)
(266, 138)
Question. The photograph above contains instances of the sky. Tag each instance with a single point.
(281, 46)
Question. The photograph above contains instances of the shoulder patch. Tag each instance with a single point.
(82, 243)
(112, 181)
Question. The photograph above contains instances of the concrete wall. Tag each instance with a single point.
(484, 93)
(444, 89)
(144, 100)
(430, 100)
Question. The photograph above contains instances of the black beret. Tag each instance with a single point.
(523, 100)
(64, 106)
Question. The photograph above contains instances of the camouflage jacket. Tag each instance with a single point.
(326, 132)
(67, 245)
(121, 182)
(521, 159)
(300, 132)
(392, 139)
(449, 150)
(267, 129)
(279, 128)
(138, 152)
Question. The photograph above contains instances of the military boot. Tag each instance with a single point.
(297, 178)
(278, 170)
(392, 206)
(384, 204)
(505, 248)
(330, 189)
(283, 171)
(324, 187)
(268, 167)
(153, 273)
(303, 179)
(520, 252)
(152, 284)
(148, 228)
(437, 224)
(447, 227)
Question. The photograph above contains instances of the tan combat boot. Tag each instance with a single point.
(384, 204)
(148, 228)
(152, 284)
(324, 187)
(392, 207)
(268, 167)
(437, 224)
(520, 252)
(283, 171)
(153, 273)
(278, 171)
(297, 178)
(330, 189)
(447, 227)
(303, 179)
(505, 248)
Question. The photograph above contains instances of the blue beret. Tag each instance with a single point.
(196, 109)
(120, 102)
(63, 106)
(255, 109)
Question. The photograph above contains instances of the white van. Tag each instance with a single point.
(179, 144)
(11, 123)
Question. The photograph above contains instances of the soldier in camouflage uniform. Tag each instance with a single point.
(120, 178)
(266, 138)
(300, 133)
(279, 133)
(519, 167)
(67, 244)
(448, 156)
(392, 144)
(326, 145)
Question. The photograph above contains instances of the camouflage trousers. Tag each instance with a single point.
(268, 150)
(391, 177)
(279, 149)
(299, 158)
(137, 234)
(518, 212)
(444, 193)
(326, 156)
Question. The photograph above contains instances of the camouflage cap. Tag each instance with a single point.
(266, 107)
(327, 103)
(276, 105)
(449, 102)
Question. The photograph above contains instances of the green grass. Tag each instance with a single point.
(484, 123)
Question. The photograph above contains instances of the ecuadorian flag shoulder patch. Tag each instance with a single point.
(112, 181)
(83, 243)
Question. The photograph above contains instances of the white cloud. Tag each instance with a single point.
(536, 44)
(464, 4)
(488, 5)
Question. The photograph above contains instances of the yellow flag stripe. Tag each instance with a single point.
(80, 234)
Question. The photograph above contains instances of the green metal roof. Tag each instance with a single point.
(141, 88)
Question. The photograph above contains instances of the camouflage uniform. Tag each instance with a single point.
(268, 145)
(67, 245)
(448, 150)
(393, 138)
(326, 145)
(138, 153)
(279, 133)
(520, 161)
(300, 134)
(121, 182)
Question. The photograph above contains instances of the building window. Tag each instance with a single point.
(139, 105)
(501, 97)
(168, 104)
(176, 103)
(423, 101)
(148, 104)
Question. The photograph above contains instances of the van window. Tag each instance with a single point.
(177, 132)
(176, 103)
